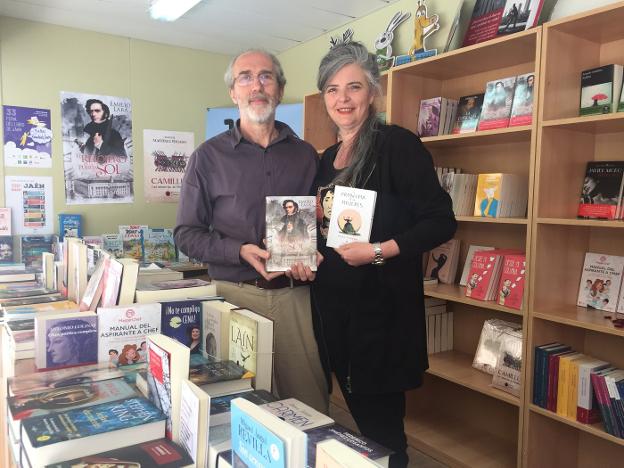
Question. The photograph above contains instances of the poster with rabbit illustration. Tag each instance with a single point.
(383, 43)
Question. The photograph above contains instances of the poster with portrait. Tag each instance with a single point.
(97, 149)
(31, 202)
(166, 157)
(27, 137)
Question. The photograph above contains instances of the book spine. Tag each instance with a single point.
(573, 390)
(600, 392)
(585, 412)
(562, 387)
(553, 383)
(538, 360)
(614, 406)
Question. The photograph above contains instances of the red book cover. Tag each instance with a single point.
(481, 272)
(553, 379)
(602, 396)
(511, 284)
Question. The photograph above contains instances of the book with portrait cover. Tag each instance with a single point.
(522, 107)
(351, 216)
(133, 238)
(601, 193)
(159, 246)
(78, 432)
(290, 232)
(511, 284)
(497, 103)
(65, 339)
(161, 453)
(468, 113)
(216, 328)
(6, 249)
(122, 332)
(182, 321)
(600, 281)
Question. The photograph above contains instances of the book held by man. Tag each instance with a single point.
(290, 232)
(351, 216)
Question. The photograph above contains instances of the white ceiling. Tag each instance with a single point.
(220, 26)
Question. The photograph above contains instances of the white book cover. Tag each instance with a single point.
(600, 281)
(352, 216)
(297, 414)
(194, 422)
(123, 332)
(216, 326)
(471, 250)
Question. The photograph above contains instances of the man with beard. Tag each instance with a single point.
(221, 219)
(294, 229)
(103, 140)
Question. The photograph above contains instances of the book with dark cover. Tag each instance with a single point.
(216, 371)
(98, 419)
(220, 406)
(359, 443)
(34, 246)
(160, 453)
(601, 192)
(540, 370)
(182, 321)
(468, 113)
(604, 403)
(552, 382)
(600, 89)
(6, 249)
(70, 225)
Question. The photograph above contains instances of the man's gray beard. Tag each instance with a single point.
(268, 115)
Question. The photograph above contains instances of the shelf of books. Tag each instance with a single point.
(456, 293)
(575, 333)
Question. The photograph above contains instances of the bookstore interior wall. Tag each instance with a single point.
(40, 60)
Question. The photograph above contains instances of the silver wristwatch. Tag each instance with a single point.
(378, 260)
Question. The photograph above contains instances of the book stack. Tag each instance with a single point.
(439, 326)
(484, 276)
(436, 116)
(463, 189)
(501, 196)
(578, 386)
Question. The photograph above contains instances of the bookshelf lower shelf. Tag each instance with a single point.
(594, 429)
(456, 367)
(580, 317)
(452, 442)
(457, 293)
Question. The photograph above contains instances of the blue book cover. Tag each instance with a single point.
(182, 321)
(80, 423)
(70, 225)
(253, 444)
(71, 341)
(34, 246)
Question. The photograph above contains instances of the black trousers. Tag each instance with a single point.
(380, 418)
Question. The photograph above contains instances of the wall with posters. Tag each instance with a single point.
(169, 88)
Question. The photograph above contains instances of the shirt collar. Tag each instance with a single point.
(284, 132)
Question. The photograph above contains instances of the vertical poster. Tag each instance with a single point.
(166, 157)
(27, 137)
(30, 199)
(97, 149)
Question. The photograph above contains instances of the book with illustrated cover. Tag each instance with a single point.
(430, 120)
(601, 193)
(471, 250)
(468, 113)
(123, 330)
(6, 249)
(501, 195)
(442, 262)
(133, 238)
(600, 281)
(175, 289)
(522, 107)
(159, 246)
(220, 377)
(160, 453)
(220, 406)
(511, 284)
(508, 370)
(600, 89)
(70, 225)
(78, 432)
(291, 232)
(351, 216)
(5, 222)
(297, 413)
(33, 246)
(182, 321)
(113, 243)
(497, 103)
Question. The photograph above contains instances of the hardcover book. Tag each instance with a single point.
(468, 113)
(511, 284)
(122, 332)
(133, 238)
(70, 225)
(483, 272)
(600, 89)
(497, 103)
(78, 432)
(351, 216)
(522, 107)
(442, 263)
(159, 245)
(291, 232)
(600, 281)
(587, 410)
(65, 339)
(161, 453)
(182, 321)
(601, 193)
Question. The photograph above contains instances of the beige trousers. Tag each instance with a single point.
(297, 370)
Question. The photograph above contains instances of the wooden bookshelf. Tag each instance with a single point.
(457, 293)
(565, 143)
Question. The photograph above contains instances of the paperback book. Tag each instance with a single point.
(600, 89)
(6, 249)
(511, 284)
(182, 321)
(123, 330)
(430, 116)
(113, 243)
(497, 103)
(297, 414)
(219, 378)
(216, 328)
(601, 193)
(351, 216)
(443, 260)
(220, 406)
(5, 222)
(133, 238)
(522, 108)
(70, 225)
(291, 232)
(468, 113)
(600, 281)
(175, 289)
(159, 245)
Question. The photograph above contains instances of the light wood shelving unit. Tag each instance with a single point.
(559, 241)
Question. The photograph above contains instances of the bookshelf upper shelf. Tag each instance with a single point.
(484, 137)
(605, 123)
(457, 293)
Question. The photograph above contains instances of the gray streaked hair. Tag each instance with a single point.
(277, 68)
(362, 151)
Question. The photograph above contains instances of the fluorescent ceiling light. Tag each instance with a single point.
(171, 10)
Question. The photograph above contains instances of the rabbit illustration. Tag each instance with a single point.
(383, 43)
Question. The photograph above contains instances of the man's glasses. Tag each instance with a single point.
(246, 79)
